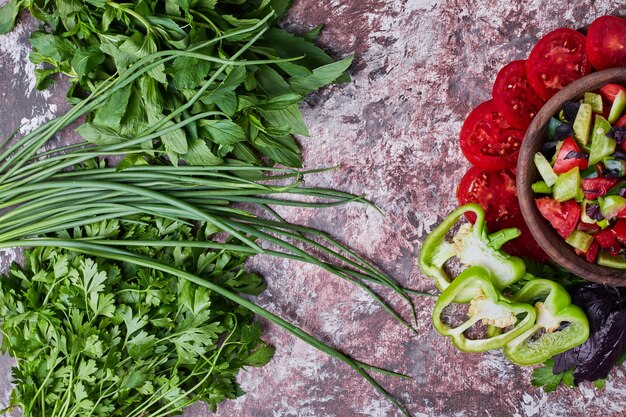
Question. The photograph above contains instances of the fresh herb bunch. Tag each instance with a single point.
(255, 109)
(97, 337)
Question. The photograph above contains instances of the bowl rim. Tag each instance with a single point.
(545, 235)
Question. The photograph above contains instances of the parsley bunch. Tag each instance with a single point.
(251, 113)
(96, 337)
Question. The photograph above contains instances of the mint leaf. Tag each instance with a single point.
(224, 132)
(188, 73)
(290, 117)
(8, 14)
(320, 77)
(87, 59)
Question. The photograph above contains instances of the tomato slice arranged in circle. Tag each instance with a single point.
(488, 141)
(558, 59)
(495, 192)
(606, 42)
(513, 95)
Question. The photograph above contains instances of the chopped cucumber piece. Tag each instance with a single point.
(616, 167)
(610, 205)
(552, 125)
(594, 100)
(567, 185)
(580, 240)
(618, 106)
(604, 223)
(540, 187)
(545, 170)
(582, 124)
(612, 261)
(601, 145)
(580, 196)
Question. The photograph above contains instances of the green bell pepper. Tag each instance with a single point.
(487, 305)
(547, 337)
(474, 247)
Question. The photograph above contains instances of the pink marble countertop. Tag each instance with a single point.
(420, 67)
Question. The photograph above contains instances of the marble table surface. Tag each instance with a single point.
(420, 67)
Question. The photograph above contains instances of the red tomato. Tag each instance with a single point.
(587, 227)
(562, 216)
(487, 140)
(606, 42)
(592, 252)
(621, 214)
(513, 95)
(596, 187)
(609, 91)
(621, 122)
(495, 192)
(556, 60)
(569, 156)
(619, 230)
(606, 238)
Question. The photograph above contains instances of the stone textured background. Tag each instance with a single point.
(421, 66)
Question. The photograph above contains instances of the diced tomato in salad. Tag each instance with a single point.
(562, 216)
(597, 187)
(589, 199)
(569, 156)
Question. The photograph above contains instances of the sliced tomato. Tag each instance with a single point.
(514, 97)
(606, 42)
(606, 238)
(619, 230)
(569, 156)
(621, 122)
(596, 187)
(495, 192)
(562, 216)
(609, 91)
(621, 214)
(488, 141)
(556, 60)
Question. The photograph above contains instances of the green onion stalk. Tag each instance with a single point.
(42, 193)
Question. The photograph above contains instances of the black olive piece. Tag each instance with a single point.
(570, 110)
(548, 149)
(563, 132)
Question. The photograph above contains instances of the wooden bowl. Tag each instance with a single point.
(553, 244)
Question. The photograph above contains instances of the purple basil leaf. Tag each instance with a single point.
(593, 211)
(605, 308)
(619, 155)
(575, 155)
(607, 346)
(617, 133)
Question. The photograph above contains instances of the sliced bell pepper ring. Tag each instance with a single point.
(565, 324)
(487, 305)
(473, 246)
